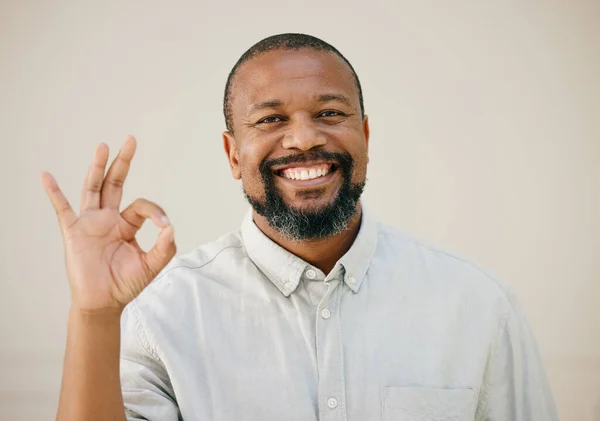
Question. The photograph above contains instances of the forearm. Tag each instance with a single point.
(91, 388)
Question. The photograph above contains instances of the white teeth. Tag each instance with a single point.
(306, 174)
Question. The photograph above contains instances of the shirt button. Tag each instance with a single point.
(311, 274)
(325, 313)
(332, 403)
(351, 280)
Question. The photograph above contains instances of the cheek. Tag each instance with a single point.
(360, 168)
(251, 179)
(249, 161)
(357, 148)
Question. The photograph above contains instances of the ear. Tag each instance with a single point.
(367, 133)
(232, 154)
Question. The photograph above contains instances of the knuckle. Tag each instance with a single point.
(114, 182)
(138, 204)
(62, 209)
(95, 187)
(147, 205)
(122, 160)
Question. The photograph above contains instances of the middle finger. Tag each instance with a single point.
(90, 194)
(112, 187)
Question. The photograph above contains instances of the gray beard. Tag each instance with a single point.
(309, 224)
(302, 225)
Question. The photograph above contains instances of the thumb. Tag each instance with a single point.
(163, 251)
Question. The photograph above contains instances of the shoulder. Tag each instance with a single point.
(172, 299)
(189, 271)
(437, 269)
(204, 257)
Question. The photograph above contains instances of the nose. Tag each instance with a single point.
(303, 134)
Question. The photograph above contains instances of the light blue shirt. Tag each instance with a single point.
(241, 329)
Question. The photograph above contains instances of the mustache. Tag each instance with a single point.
(341, 159)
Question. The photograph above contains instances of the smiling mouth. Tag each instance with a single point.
(306, 172)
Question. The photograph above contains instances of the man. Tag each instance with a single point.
(312, 310)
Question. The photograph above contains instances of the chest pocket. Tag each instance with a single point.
(427, 404)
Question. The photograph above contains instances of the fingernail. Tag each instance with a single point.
(165, 220)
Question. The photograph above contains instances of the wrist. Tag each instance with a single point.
(103, 316)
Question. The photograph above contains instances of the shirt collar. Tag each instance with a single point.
(285, 269)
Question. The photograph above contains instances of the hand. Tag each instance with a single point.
(105, 265)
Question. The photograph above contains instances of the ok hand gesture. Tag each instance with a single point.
(105, 265)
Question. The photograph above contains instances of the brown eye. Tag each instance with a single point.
(330, 113)
(270, 119)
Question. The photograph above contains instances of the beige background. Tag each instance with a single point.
(485, 141)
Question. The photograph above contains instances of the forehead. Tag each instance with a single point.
(289, 75)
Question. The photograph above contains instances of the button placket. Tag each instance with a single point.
(331, 390)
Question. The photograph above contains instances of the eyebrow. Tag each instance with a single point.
(266, 104)
(320, 98)
(334, 97)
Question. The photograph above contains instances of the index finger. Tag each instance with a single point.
(112, 187)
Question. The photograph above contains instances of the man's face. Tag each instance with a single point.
(300, 142)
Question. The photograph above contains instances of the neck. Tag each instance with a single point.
(322, 253)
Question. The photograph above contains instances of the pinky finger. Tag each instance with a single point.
(162, 252)
(64, 211)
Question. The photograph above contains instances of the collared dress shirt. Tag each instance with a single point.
(241, 329)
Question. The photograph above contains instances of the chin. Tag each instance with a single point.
(310, 205)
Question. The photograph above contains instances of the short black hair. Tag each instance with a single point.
(289, 41)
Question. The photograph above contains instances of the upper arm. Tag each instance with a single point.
(515, 385)
(147, 390)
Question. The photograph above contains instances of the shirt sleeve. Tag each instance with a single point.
(515, 386)
(147, 391)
